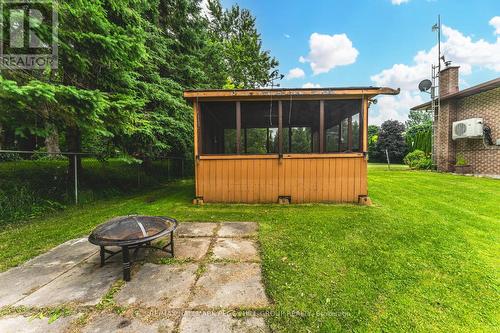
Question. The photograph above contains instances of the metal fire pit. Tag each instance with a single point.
(132, 232)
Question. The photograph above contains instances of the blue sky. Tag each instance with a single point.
(376, 42)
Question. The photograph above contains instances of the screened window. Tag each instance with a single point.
(218, 127)
(259, 127)
(253, 127)
(343, 126)
(301, 126)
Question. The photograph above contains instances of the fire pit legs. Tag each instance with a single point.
(103, 255)
(126, 263)
(133, 232)
(172, 244)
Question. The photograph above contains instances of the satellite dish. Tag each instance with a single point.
(425, 85)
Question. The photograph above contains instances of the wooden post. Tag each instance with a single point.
(196, 145)
(280, 128)
(349, 133)
(238, 127)
(364, 110)
(340, 135)
(322, 126)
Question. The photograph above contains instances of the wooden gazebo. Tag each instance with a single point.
(282, 145)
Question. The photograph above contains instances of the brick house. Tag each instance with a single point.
(481, 101)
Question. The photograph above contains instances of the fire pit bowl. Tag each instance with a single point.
(132, 232)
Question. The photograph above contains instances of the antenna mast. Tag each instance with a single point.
(435, 95)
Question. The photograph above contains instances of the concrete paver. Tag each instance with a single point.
(195, 229)
(235, 249)
(201, 322)
(71, 275)
(159, 285)
(191, 248)
(112, 323)
(19, 323)
(20, 281)
(230, 285)
(238, 229)
(85, 284)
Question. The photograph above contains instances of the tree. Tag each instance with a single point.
(234, 31)
(373, 131)
(418, 117)
(123, 66)
(418, 133)
(391, 139)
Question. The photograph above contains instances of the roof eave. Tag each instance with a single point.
(370, 91)
(424, 106)
(485, 86)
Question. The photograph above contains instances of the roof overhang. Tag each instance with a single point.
(488, 85)
(286, 93)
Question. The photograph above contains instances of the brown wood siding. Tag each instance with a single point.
(264, 179)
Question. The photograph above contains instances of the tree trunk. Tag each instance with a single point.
(52, 140)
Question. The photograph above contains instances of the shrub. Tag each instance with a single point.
(417, 159)
(425, 164)
(461, 161)
(9, 157)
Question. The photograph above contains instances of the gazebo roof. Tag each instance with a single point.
(289, 92)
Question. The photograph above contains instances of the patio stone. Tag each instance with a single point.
(23, 280)
(230, 285)
(235, 249)
(195, 229)
(83, 285)
(238, 229)
(191, 248)
(15, 324)
(111, 323)
(156, 285)
(217, 322)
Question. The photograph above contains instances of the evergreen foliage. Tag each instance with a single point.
(123, 65)
(419, 131)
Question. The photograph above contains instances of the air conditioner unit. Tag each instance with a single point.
(468, 128)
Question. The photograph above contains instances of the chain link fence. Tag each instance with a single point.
(33, 182)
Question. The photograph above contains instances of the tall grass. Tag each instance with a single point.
(30, 188)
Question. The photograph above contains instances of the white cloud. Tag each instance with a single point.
(311, 85)
(286, 36)
(394, 107)
(495, 23)
(329, 51)
(398, 2)
(457, 47)
(295, 73)
(460, 49)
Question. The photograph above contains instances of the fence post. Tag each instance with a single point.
(138, 175)
(75, 167)
(168, 168)
(388, 161)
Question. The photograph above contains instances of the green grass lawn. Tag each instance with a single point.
(424, 257)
